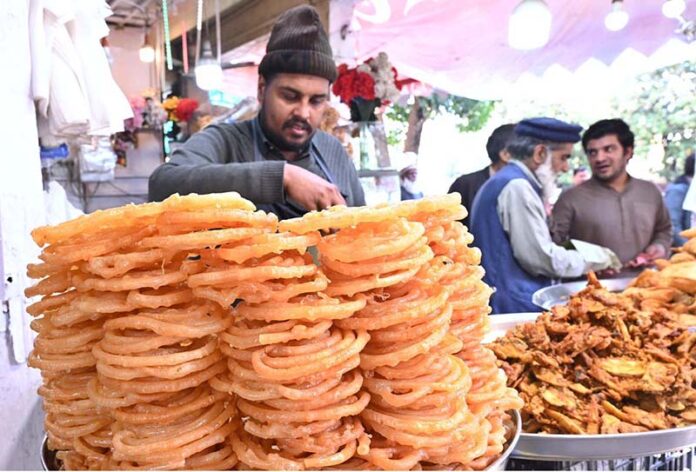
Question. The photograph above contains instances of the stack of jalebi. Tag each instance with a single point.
(125, 348)
(192, 334)
(293, 370)
(456, 267)
(418, 415)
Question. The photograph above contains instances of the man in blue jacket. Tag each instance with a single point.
(509, 219)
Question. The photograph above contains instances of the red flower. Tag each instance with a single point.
(352, 83)
(185, 108)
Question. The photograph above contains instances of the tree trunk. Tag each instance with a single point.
(416, 120)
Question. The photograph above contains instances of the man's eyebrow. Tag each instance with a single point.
(287, 88)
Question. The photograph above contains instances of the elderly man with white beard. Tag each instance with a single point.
(509, 219)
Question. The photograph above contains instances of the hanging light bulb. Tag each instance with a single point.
(147, 52)
(673, 8)
(529, 26)
(208, 70)
(617, 18)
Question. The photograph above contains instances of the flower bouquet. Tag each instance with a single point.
(364, 88)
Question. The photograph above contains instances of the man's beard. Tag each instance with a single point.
(278, 140)
(547, 177)
(411, 186)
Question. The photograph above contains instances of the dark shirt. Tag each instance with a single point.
(468, 186)
(626, 222)
(674, 199)
(406, 195)
(221, 158)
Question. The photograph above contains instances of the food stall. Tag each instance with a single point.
(200, 333)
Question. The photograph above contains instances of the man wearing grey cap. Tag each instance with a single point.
(509, 220)
(280, 160)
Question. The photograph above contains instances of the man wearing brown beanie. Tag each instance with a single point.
(280, 160)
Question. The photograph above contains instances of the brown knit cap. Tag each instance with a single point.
(299, 45)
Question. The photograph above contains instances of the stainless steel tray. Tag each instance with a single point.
(502, 461)
(568, 447)
(576, 447)
(49, 461)
(559, 294)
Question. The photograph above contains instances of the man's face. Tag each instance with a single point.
(607, 157)
(560, 155)
(292, 106)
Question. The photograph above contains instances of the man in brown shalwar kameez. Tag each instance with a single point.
(614, 209)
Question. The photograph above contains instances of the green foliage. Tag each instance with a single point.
(661, 109)
(397, 117)
(473, 114)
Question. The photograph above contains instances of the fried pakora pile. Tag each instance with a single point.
(603, 364)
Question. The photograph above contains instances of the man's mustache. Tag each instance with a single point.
(295, 122)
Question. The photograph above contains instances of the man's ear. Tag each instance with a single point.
(539, 156)
(504, 156)
(629, 152)
(261, 89)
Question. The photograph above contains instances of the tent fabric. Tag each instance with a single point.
(461, 46)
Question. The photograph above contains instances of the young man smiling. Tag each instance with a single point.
(280, 160)
(613, 209)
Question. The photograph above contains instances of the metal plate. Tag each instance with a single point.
(501, 324)
(565, 447)
(576, 447)
(502, 461)
(49, 461)
(559, 294)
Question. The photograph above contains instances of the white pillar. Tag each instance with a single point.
(21, 209)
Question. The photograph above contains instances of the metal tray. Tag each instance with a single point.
(576, 447)
(501, 462)
(567, 447)
(50, 462)
(559, 294)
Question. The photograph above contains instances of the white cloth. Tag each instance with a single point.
(72, 84)
(690, 199)
(522, 216)
(108, 105)
(58, 207)
(57, 84)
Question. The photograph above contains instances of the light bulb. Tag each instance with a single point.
(208, 70)
(529, 26)
(617, 18)
(673, 8)
(147, 53)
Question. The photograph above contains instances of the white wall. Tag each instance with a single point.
(21, 209)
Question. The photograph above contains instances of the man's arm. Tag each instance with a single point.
(521, 213)
(662, 234)
(561, 219)
(201, 166)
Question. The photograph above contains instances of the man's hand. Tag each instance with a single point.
(310, 190)
(647, 257)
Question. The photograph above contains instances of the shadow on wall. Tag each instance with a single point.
(21, 416)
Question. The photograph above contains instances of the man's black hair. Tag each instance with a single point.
(603, 128)
(689, 165)
(498, 141)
